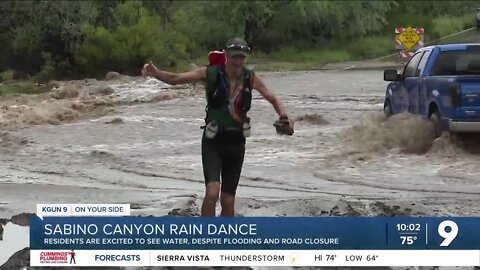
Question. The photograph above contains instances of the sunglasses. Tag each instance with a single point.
(239, 47)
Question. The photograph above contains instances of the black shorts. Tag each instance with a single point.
(223, 155)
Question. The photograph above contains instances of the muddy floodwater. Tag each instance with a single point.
(345, 158)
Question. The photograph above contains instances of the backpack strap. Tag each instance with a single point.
(247, 90)
(211, 86)
(251, 75)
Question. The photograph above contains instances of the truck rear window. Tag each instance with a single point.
(465, 62)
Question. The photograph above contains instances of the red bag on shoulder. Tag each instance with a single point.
(217, 58)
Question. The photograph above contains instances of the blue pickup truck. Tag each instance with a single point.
(441, 83)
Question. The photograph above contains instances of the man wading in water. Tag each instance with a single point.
(228, 88)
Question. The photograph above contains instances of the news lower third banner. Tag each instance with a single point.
(106, 235)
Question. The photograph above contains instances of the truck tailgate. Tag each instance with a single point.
(469, 97)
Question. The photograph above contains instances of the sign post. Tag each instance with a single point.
(407, 40)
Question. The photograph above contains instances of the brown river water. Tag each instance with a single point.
(141, 145)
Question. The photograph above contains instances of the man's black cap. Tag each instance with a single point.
(237, 46)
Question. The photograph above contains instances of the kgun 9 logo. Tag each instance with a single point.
(450, 235)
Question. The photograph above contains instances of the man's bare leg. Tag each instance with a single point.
(228, 205)
(211, 197)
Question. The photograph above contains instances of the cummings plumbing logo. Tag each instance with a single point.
(54, 257)
(63, 257)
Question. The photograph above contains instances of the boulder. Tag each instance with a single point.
(113, 75)
(65, 91)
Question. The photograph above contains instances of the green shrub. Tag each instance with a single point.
(128, 47)
(27, 87)
(48, 71)
(371, 47)
(447, 25)
(89, 38)
(6, 76)
(285, 54)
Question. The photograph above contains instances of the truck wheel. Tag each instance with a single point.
(437, 124)
(387, 108)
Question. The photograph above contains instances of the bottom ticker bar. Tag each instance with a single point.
(255, 258)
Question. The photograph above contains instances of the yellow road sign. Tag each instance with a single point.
(409, 37)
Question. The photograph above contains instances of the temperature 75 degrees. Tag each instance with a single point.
(408, 240)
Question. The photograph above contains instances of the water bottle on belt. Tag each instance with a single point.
(211, 130)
